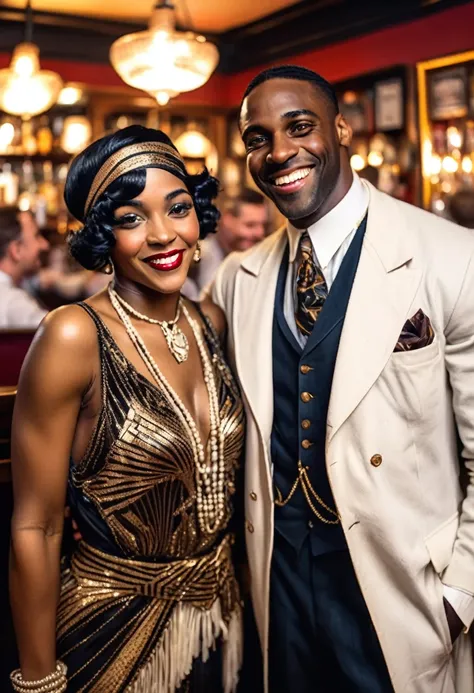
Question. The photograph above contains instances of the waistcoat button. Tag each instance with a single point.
(306, 397)
(306, 423)
(305, 369)
(306, 444)
(250, 527)
(253, 496)
(376, 460)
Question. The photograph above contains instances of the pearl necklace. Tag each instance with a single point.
(210, 474)
(175, 338)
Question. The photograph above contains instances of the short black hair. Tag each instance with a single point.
(247, 196)
(10, 228)
(92, 244)
(294, 72)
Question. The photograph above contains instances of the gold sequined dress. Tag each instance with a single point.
(147, 595)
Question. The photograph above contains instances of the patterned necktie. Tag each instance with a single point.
(311, 288)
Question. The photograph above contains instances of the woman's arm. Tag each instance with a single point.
(57, 372)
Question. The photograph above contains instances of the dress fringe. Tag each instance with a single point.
(192, 633)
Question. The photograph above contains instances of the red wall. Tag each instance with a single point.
(451, 31)
(447, 32)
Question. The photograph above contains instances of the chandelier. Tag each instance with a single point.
(25, 89)
(163, 61)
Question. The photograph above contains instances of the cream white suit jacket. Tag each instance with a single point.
(409, 525)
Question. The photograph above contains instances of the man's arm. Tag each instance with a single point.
(459, 358)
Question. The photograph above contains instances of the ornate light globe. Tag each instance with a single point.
(163, 61)
(192, 144)
(25, 90)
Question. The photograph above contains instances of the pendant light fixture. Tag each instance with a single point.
(25, 89)
(164, 61)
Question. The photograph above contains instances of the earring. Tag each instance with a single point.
(108, 268)
(197, 253)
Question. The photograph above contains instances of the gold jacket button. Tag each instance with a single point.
(305, 369)
(306, 444)
(250, 527)
(306, 397)
(376, 460)
(253, 496)
(306, 423)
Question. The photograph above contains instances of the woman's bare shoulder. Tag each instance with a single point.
(69, 327)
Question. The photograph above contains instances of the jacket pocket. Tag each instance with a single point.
(440, 543)
(417, 357)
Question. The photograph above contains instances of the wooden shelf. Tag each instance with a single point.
(54, 157)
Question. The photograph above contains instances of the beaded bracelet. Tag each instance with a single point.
(55, 682)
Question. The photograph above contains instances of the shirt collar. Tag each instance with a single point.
(5, 279)
(329, 233)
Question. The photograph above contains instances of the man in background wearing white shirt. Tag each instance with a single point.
(352, 333)
(21, 244)
(243, 224)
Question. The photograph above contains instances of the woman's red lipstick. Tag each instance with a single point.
(165, 262)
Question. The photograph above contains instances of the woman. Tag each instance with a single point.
(126, 401)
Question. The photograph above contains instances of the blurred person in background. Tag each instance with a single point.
(461, 208)
(21, 245)
(243, 223)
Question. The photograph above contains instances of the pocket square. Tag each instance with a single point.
(417, 333)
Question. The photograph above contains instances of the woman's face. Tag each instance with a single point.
(156, 234)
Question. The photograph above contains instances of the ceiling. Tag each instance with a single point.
(206, 15)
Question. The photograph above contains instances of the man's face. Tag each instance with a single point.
(29, 246)
(247, 228)
(295, 144)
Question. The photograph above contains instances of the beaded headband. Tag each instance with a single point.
(130, 158)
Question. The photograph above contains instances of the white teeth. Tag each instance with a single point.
(165, 260)
(292, 177)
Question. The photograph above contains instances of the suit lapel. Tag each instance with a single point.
(253, 325)
(383, 290)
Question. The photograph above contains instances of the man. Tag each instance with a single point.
(243, 224)
(20, 246)
(352, 333)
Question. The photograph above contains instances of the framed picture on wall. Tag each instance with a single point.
(356, 110)
(448, 93)
(389, 105)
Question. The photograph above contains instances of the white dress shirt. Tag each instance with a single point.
(331, 237)
(18, 310)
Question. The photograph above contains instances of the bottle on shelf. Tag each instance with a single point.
(48, 190)
(9, 184)
(44, 137)
(26, 200)
(28, 140)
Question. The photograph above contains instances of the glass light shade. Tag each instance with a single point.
(357, 162)
(76, 134)
(466, 163)
(192, 144)
(69, 96)
(375, 159)
(7, 135)
(449, 164)
(25, 90)
(163, 61)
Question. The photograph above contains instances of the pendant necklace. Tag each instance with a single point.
(175, 338)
